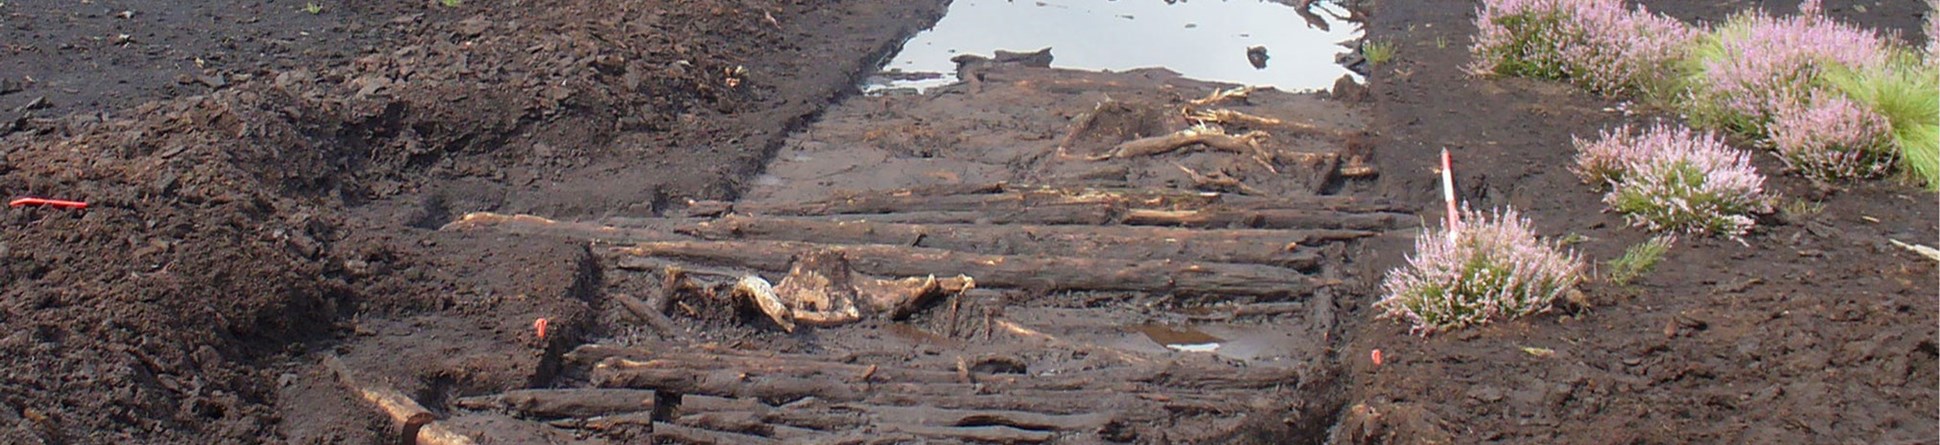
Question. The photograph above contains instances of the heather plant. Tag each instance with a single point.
(1902, 91)
(1491, 267)
(1740, 75)
(1603, 161)
(1597, 44)
(1697, 192)
(1832, 138)
(1673, 179)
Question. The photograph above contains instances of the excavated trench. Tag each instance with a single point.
(614, 222)
(1029, 254)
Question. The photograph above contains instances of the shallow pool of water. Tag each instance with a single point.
(1204, 39)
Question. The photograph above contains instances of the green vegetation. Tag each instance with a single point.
(1801, 208)
(1491, 268)
(451, 3)
(1378, 52)
(1639, 260)
(313, 8)
(1830, 82)
(1902, 90)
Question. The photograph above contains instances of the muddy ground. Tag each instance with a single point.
(267, 188)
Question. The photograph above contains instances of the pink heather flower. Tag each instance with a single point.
(1833, 138)
(1598, 44)
(1492, 268)
(1605, 160)
(1763, 63)
(1672, 179)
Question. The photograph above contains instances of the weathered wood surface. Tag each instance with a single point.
(559, 403)
(414, 424)
(995, 197)
(1259, 236)
(1039, 272)
(1287, 248)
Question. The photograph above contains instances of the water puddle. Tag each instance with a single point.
(1250, 42)
(1180, 337)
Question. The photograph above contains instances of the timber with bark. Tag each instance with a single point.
(1253, 246)
(558, 403)
(412, 422)
(1246, 144)
(692, 372)
(1039, 272)
(1010, 197)
(653, 314)
(1266, 219)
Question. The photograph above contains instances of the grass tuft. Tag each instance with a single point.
(1639, 259)
(1903, 91)
(1378, 52)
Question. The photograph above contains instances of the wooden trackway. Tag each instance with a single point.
(1055, 246)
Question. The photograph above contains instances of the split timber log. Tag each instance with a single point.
(1280, 230)
(1225, 116)
(1042, 272)
(1135, 406)
(654, 314)
(1221, 313)
(783, 388)
(664, 432)
(1221, 95)
(816, 415)
(1089, 215)
(1320, 212)
(785, 425)
(1009, 197)
(1272, 247)
(557, 403)
(415, 425)
(975, 434)
(785, 378)
(744, 422)
(1246, 144)
(792, 366)
(749, 422)
(1266, 219)
(1003, 197)
(774, 390)
(965, 417)
(534, 225)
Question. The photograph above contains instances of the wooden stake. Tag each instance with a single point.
(415, 425)
(1448, 194)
